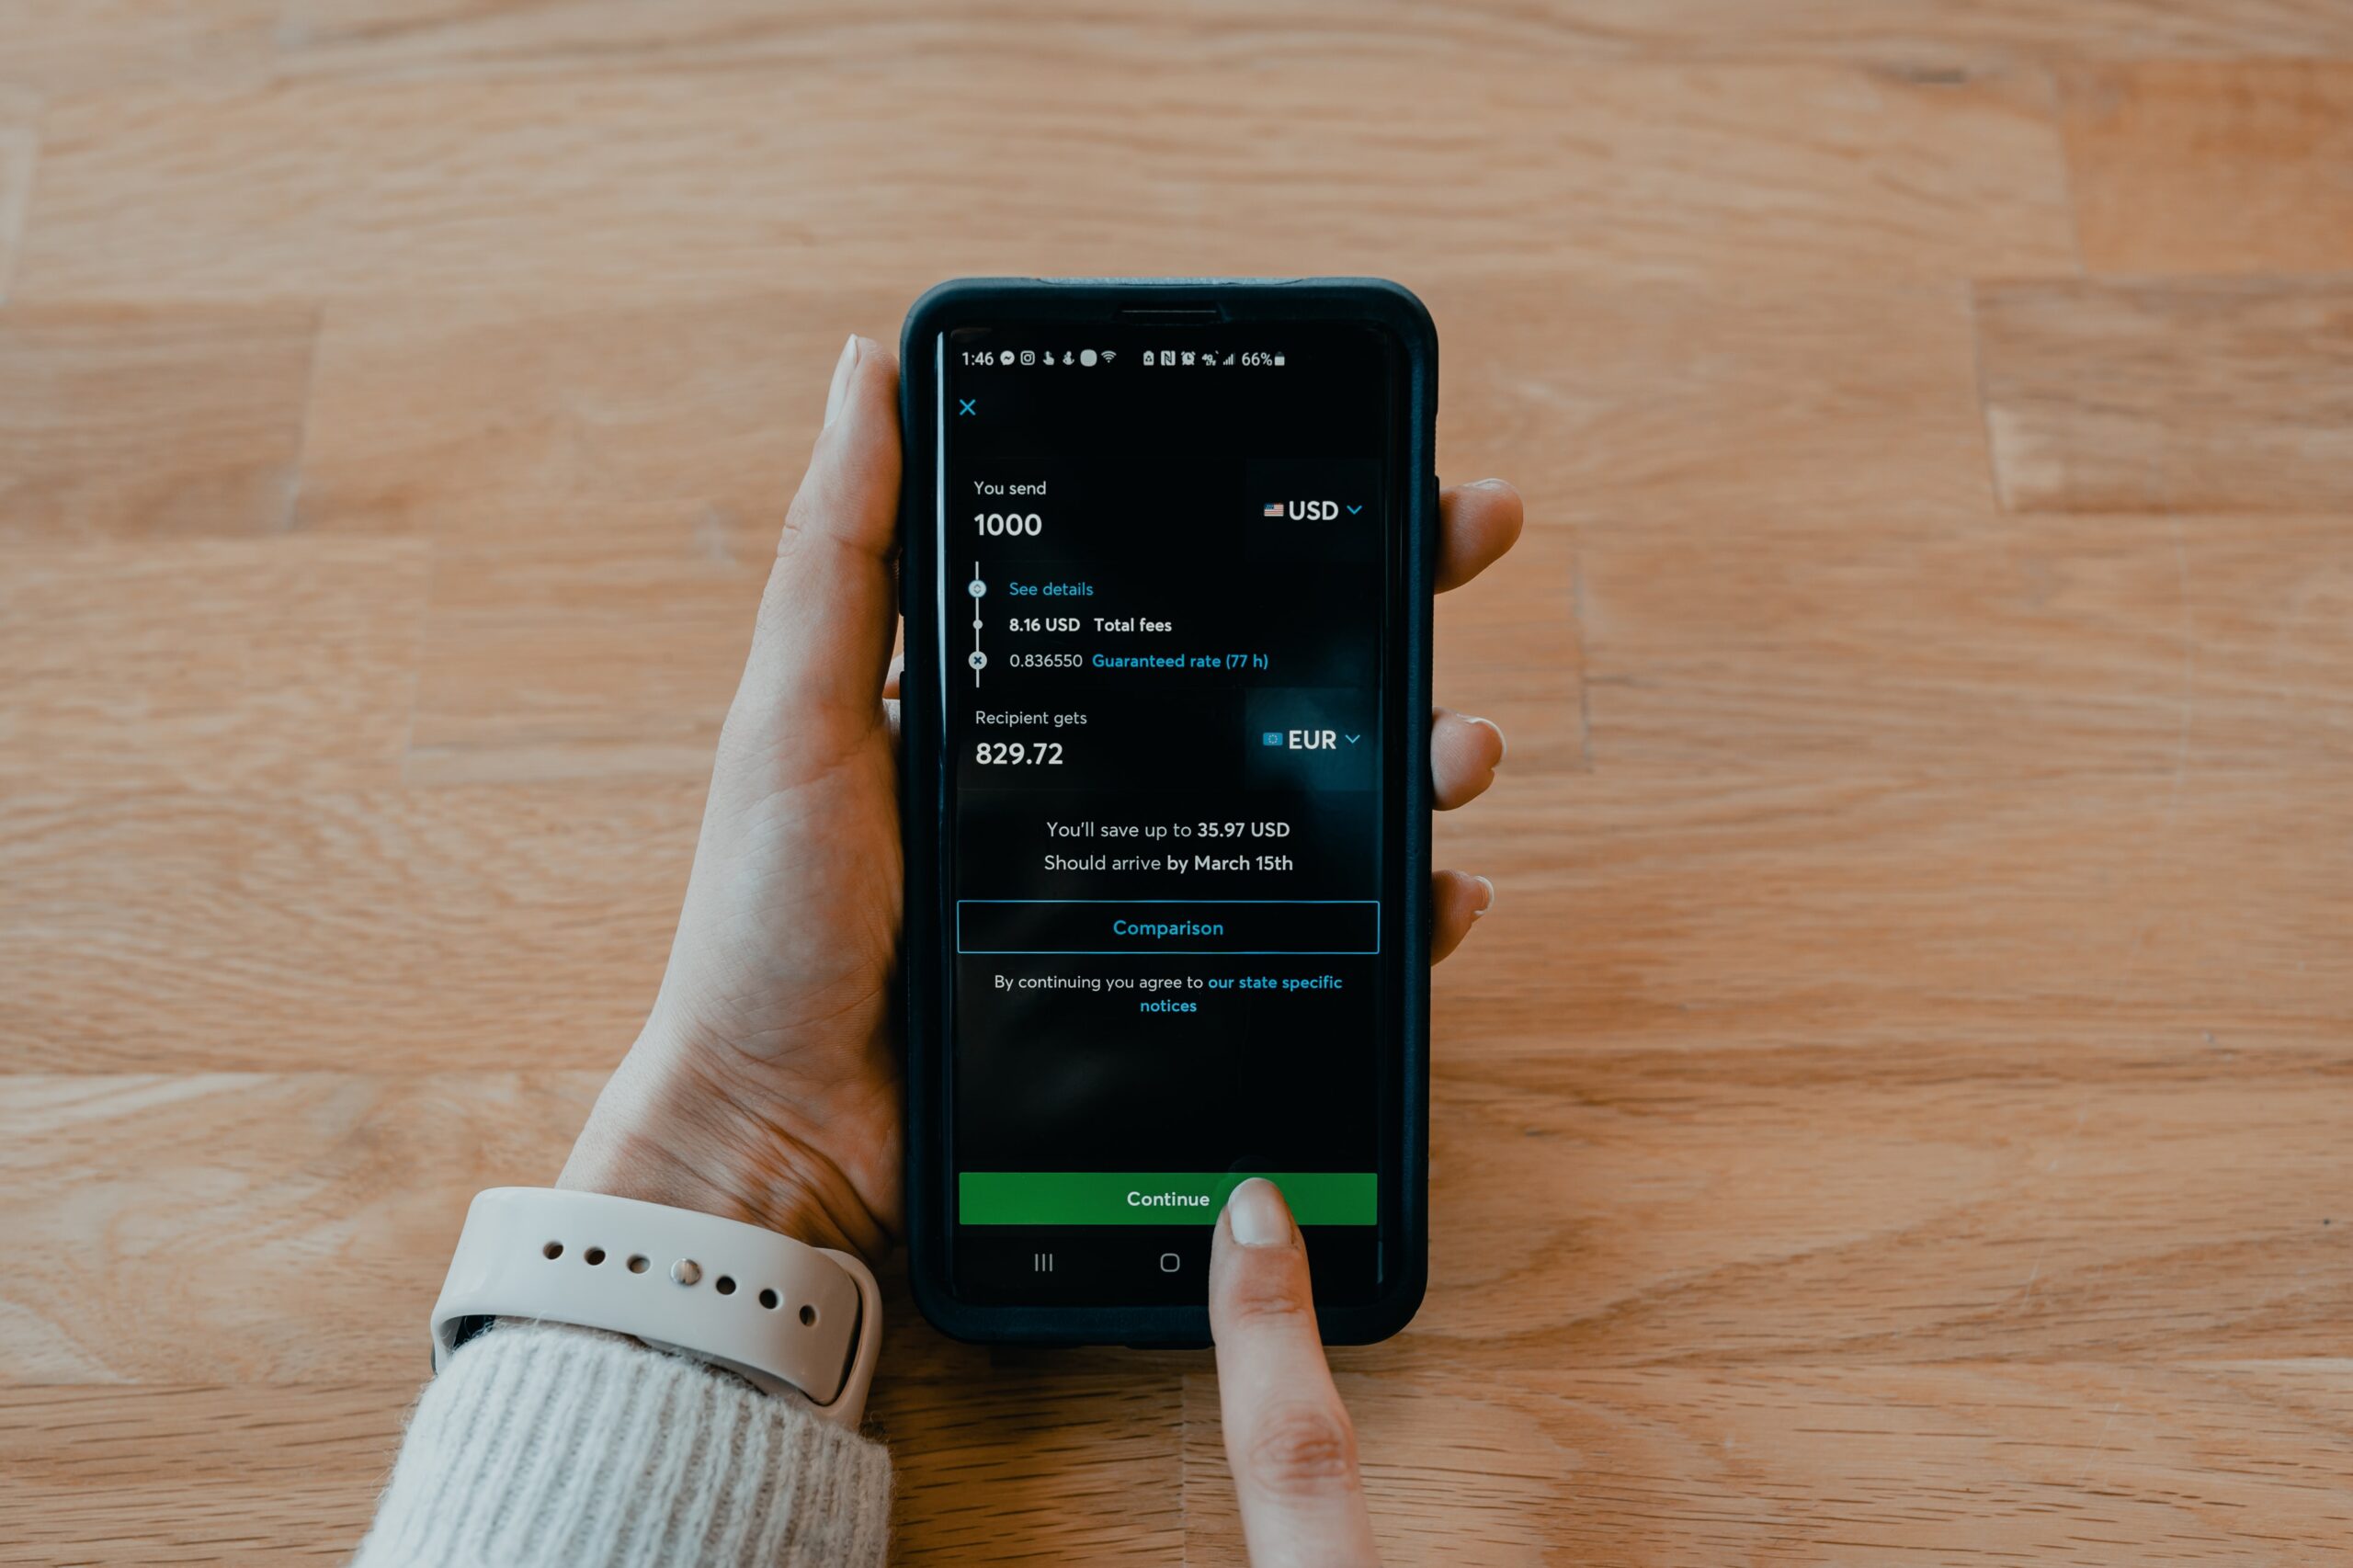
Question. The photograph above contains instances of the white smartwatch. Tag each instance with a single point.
(803, 1323)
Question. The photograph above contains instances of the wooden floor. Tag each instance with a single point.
(1900, 1111)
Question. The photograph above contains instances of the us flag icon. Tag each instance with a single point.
(1274, 509)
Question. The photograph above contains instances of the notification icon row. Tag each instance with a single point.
(1192, 356)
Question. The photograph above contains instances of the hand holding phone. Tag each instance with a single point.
(765, 1083)
(1170, 548)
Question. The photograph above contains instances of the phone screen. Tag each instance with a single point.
(1169, 569)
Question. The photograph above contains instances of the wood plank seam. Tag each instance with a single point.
(1971, 294)
(20, 140)
(292, 512)
(1585, 664)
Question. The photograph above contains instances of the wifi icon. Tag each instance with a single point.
(1108, 355)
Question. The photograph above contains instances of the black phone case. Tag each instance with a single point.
(930, 1201)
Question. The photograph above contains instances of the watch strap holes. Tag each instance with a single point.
(686, 1272)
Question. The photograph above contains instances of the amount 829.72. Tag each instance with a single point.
(1018, 754)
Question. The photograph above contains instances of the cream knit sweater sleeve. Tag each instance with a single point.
(542, 1447)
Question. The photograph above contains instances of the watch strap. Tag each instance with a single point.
(800, 1321)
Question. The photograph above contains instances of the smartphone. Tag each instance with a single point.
(1168, 549)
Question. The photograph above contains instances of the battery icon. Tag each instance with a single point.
(1279, 358)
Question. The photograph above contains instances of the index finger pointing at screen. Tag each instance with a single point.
(1287, 1437)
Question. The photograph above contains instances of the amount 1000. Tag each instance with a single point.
(1007, 525)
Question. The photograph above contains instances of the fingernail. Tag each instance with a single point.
(840, 389)
(1503, 742)
(1489, 485)
(1256, 1213)
(1491, 897)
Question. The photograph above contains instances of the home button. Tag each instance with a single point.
(1170, 1263)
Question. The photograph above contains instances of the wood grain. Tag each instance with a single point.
(2188, 397)
(2213, 166)
(1035, 1463)
(1895, 1109)
(2059, 914)
(1711, 1211)
(260, 1474)
(130, 422)
(207, 664)
(378, 37)
(446, 418)
(533, 186)
(1723, 409)
(317, 1189)
(229, 930)
(606, 488)
(1976, 1464)
(2119, 647)
(606, 646)
(51, 46)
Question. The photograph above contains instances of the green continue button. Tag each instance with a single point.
(1155, 1197)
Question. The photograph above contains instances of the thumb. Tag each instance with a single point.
(1287, 1435)
(830, 610)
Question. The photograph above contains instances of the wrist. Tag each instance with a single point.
(666, 1129)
